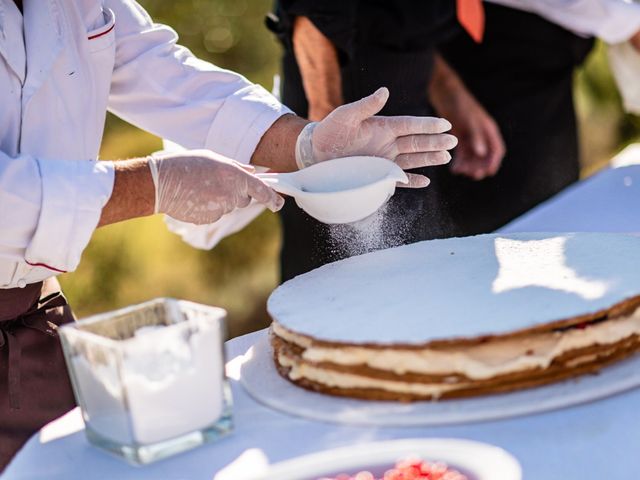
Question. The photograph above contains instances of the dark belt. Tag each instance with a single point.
(34, 318)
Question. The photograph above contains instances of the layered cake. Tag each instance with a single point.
(460, 317)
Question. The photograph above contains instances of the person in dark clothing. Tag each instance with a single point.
(377, 44)
(371, 44)
(522, 73)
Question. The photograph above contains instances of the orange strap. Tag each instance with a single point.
(471, 17)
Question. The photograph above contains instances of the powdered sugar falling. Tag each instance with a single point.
(383, 229)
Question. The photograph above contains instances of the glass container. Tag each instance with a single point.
(149, 378)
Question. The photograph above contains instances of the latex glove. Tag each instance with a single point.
(353, 129)
(199, 186)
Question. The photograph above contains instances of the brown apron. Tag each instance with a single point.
(34, 384)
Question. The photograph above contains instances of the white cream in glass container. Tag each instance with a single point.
(150, 378)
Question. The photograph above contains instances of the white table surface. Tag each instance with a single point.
(591, 441)
(609, 201)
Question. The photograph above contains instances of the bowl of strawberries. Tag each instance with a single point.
(407, 469)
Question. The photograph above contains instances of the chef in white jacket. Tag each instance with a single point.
(63, 64)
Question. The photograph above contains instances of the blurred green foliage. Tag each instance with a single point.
(229, 33)
(138, 260)
(604, 127)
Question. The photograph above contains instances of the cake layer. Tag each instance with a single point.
(458, 290)
(493, 358)
(363, 383)
(460, 317)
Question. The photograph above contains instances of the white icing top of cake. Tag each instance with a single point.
(460, 287)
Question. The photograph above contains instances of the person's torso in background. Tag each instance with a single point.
(379, 43)
(522, 73)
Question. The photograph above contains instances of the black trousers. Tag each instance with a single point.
(522, 73)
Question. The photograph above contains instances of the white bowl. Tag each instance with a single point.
(478, 461)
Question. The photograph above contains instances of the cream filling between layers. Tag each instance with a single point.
(346, 381)
(478, 362)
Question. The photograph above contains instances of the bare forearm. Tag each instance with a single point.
(317, 60)
(481, 148)
(133, 193)
(445, 87)
(276, 149)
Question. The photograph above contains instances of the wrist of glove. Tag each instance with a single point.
(199, 186)
(152, 162)
(355, 129)
(304, 147)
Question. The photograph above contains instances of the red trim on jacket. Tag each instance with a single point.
(102, 33)
(45, 266)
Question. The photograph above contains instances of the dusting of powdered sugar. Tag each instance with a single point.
(385, 228)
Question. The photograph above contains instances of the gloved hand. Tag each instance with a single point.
(353, 129)
(200, 186)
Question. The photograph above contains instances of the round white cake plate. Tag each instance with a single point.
(479, 461)
(262, 381)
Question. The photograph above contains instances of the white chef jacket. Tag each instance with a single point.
(60, 70)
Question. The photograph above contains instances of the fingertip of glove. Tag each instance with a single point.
(445, 125)
(277, 204)
(452, 141)
(381, 93)
(422, 182)
(416, 181)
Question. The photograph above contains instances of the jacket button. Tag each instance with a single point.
(22, 283)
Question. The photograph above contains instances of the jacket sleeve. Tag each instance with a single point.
(161, 87)
(613, 21)
(48, 211)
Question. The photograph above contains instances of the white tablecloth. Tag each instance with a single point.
(587, 442)
(606, 202)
